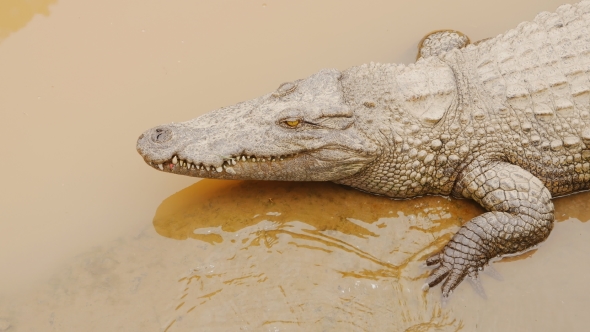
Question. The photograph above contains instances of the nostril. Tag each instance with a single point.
(141, 136)
(161, 135)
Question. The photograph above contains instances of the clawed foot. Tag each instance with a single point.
(453, 266)
(520, 215)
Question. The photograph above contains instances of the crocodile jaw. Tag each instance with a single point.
(295, 167)
(181, 149)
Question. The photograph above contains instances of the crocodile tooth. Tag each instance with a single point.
(243, 158)
(262, 159)
(174, 160)
(219, 169)
(161, 167)
(254, 159)
(272, 159)
(233, 162)
(230, 170)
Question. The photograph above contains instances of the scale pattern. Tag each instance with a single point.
(509, 127)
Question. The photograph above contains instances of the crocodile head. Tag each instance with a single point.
(304, 131)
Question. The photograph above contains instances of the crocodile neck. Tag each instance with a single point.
(420, 154)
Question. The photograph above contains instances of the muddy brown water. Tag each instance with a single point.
(93, 240)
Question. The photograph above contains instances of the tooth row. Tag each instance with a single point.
(226, 163)
(259, 159)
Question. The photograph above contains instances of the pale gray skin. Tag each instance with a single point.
(505, 123)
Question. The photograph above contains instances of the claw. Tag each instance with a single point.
(433, 260)
(477, 286)
(438, 275)
(444, 301)
(453, 280)
(492, 272)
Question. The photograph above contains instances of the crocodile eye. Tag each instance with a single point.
(292, 123)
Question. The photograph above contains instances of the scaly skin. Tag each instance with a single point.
(505, 122)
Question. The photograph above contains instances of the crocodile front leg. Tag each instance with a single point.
(520, 216)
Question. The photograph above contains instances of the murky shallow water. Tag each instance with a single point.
(82, 81)
(263, 256)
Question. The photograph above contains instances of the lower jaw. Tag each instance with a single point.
(253, 171)
(294, 169)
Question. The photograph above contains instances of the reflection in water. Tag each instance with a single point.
(15, 14)
(314, 255)
(234, 205)
(268, 256)
(311, 256)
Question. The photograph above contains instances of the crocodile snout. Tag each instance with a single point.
(159, 143)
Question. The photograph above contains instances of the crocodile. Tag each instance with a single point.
(504, 122)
